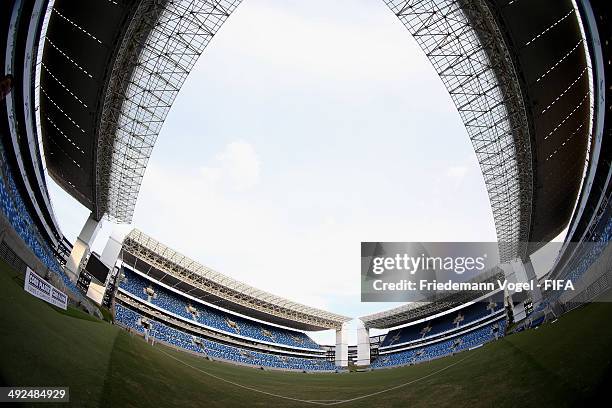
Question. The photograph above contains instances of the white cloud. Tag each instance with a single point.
(237, 166)
(457, 172)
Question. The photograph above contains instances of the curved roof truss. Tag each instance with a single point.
(465, 46)
(162, 44)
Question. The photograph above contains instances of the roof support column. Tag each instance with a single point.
(363, 345)
(111, 251)
(342, 346)
(81, 246)
(521, 272)
(536, 292)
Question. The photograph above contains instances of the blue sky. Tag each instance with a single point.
(306, 128)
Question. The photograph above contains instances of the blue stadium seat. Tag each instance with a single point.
(15, 210)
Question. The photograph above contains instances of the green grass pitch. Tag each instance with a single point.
(567, 363)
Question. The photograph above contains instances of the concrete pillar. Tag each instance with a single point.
(514, 272)
(363, 344)
(112, 250)
(521, 271)
(342, 346)
(536, 293)
(81, 247)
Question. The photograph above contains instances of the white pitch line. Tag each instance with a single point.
(316, 402)
(401, 385)
(324, 402)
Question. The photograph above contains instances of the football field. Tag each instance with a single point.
(566, 363)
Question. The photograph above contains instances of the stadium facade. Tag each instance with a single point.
(91, 84)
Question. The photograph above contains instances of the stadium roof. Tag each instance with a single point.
(199, 281)
(517, 71)
(110, 73)
(553, 65)
(597, 187)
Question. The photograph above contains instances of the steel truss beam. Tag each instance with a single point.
(467, 50)
(161, 45)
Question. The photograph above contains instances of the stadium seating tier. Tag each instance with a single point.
(162, 332)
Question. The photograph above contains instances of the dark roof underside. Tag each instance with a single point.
(545, 41)
(82, 39)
